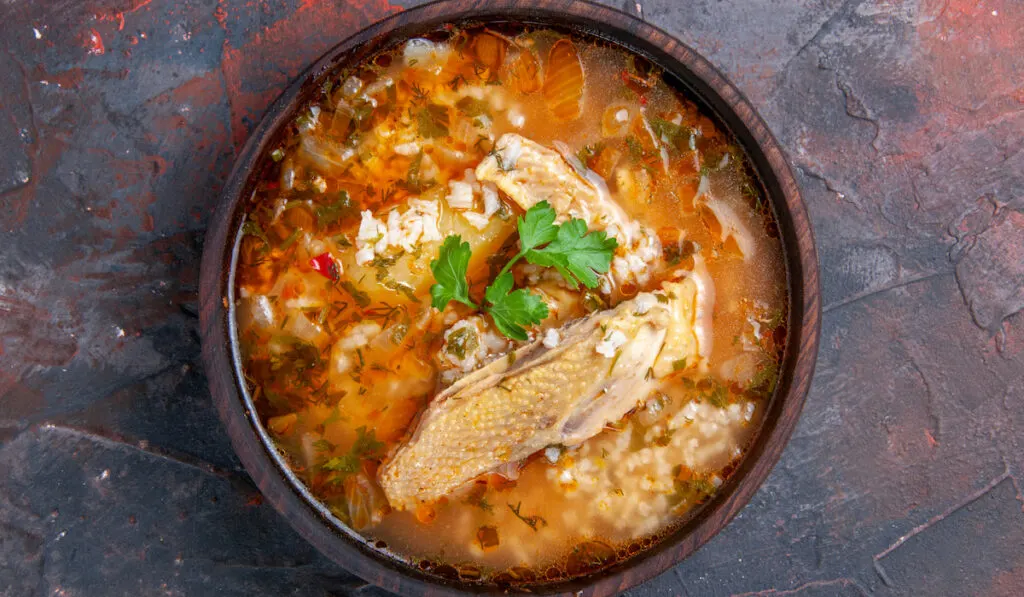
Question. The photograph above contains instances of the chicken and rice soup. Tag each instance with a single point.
(509, 304)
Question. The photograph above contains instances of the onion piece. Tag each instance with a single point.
(324, 154)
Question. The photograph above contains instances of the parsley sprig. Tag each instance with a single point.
(576, 253)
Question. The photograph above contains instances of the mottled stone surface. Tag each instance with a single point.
(119, 120)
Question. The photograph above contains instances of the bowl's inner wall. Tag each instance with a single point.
(677, 75)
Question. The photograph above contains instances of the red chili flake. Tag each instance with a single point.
(326, 266)
(643, 100)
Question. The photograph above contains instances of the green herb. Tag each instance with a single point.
(480, 501)
(635, 150)
(457, 82)
(593, 301)
(748, 189)
(511, 309)
(361, 298)
(276, 399)
(332, 212)
(577, 254)
(472, 107)
(692, 491)
(500, 160)
(382, 263)
(765, 379)
(300, 355)
(366, 446)
(290, 240)
(398, 333)
(776, 318)
(574, 252)
(322, 445)
(450, 272)
(615, 359)
(277, 155)
(589, 151)
(362, 112)
(462, 341)
(537, 227)
(334, 416)
(679, 365)
(433, 121)
(252, 228)
(413, 182)
(717, 397)
(676, 135)
(479, 144)
(305, 122)
(530, 521)
(703, 486)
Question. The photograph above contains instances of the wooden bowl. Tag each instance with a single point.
(683, 68)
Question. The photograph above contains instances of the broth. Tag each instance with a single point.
(344, 353)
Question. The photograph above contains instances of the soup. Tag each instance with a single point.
(509, 304)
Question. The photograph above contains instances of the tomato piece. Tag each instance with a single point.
(326, 266)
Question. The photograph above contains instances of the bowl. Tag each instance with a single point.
(684, 69)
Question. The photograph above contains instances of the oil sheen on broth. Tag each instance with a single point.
(431, 431)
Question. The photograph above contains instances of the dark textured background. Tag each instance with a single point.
(119, 120)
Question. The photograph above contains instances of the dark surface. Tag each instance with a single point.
(905, 122)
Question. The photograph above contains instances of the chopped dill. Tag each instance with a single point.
(530, 521)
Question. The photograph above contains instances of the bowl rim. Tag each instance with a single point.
(700, 81)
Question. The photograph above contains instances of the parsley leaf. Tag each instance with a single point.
(537, 227)
(512, 310)
(577, 254)
(450, 272)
